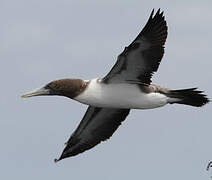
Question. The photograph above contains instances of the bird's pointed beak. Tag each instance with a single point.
(37, 92)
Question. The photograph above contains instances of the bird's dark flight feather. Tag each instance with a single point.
(98, 124)
(142, 57)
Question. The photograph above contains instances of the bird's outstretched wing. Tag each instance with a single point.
(98, 124)
(142, 57)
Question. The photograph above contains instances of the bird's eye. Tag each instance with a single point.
(48, 87)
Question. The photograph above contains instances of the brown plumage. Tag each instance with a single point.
(68, 87)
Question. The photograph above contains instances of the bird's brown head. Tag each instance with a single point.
(63, 87)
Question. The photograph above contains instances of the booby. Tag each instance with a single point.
(127, 86)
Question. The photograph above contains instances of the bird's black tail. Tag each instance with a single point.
(191, 97)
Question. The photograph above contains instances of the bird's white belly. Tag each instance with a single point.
(119, 96)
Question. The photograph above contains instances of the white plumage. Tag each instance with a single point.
(120, 95)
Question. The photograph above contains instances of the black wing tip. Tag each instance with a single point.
(60, 158)
(56, 160)
(63, 155)
(158, 16)
(152, 13)
(158, 13)
(156, 29)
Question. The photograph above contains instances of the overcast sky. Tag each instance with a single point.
(47, 40)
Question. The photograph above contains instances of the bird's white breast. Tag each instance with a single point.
(119, 96)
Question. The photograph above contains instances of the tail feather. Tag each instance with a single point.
(190, 97)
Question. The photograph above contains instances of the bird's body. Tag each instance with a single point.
(127, 86)
(120, 95)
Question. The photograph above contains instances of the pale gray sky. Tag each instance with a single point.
(46, 40)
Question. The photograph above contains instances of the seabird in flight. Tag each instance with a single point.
(127, 86)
